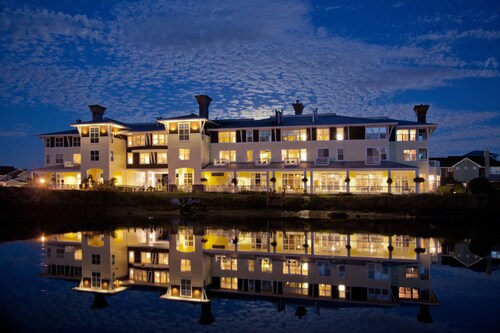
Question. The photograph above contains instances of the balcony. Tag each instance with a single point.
(292, 161)
(322, 161)
(221, 162)
(262, 162)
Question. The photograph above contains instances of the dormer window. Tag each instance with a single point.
(184, 132)
(94, 135)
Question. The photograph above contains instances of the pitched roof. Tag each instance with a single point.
(68, 132)
(101, 121)
(6, 169)
(447, 162)
(480, 153)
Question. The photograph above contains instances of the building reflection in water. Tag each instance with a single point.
(302, 267)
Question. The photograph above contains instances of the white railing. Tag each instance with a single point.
(262, 162)
(322, 161)
(293, 161)
(221, 162)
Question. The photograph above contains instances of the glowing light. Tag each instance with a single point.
(341, 287)
(42, 181)
(42, 238)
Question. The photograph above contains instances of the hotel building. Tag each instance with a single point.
(315, 153)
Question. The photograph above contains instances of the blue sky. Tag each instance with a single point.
(144, 59)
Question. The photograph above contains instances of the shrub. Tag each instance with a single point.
(480, 186)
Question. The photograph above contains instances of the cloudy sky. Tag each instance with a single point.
(143, 59)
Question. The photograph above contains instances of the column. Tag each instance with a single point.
(347, 187)
(267, 181)
(274, 183)
(417, 185)
(311, 179)
(389, 186)
(305, 183)
(235, 184)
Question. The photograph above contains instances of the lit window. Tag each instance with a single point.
(251, 265)
(229, 283)
(266, 265)
(78, 254)
(184, 132)
(341, 291)
(294, 135)
(325, 290)
(340, 133)
(59, 158)
(185, 265)
(94, 135)
(137, 140)
(265, 155)
(323, 134)
(131, 257)
(130, 158)
(227, 137)
(162, 158)
(412, 272)
(94, 155)
(294, 154)
(77, 158)
(184, 154)
(228, 155)
(159, 139)
(410, 154)
(144, 158)
(406, 135)
(249, 155)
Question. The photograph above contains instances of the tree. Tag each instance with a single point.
(480, 186)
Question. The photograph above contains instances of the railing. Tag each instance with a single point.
(66, 186)
(293, 161)
(372, 160)
(262, 162)
(322, 161)
(221, 162)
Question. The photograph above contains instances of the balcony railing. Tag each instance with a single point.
(262, 161)
(293, 161)
(221, 162)
(372, 160)
(322, 161)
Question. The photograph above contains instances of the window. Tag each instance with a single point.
(60, 253)
(294, 266)
(341, 291)
(94, 155)
(294, 135)
(294, 154)
(163, 258)
(136, 140)
(130, 158)
(251, 265)
(323, 152)
(184, 132)
(185, 265)
(59, 142)
(325, 290)
(185, 288)
(229, 283)
(112, 259)
(77, 158)
(377, 272)
(406, 292)
(47, 159)
(410, 154)
(144, 158)
(59, 158)
(266, 265)
(96, 259)
(264, 135)
(340, 154)
(406, 135)
(47, 142)
(422, 154)
(266, 286)
(375, 133)
(298, 288)
(96, 280)
(249, 155)
(265, 155)
(378, 294)
(372, 156)
(111, 156)
(159, 139)
(250, 136)
(145, 257)
(340, 133)
(78, 254)
(94, 135)
(228, 155)
(184, 154)
(227, 137)
(162, 158)
(411, 272)
(230, 264)
(323, 134)
(76, 141)
(341, 271)
(383, 154)
(131, 257)
(323, 268)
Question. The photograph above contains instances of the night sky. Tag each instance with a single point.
(144, 59)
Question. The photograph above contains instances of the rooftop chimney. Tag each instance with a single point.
(97, 111)
(315, 115)
(279, 115)
(298, 107)
(421, 112)
(204, 103)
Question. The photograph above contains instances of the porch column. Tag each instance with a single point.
(236, 236)
(390, 246)
(267, 180)
(274, 183)
(312, 182)
(305, 184)
(146, 182)
(389, 177)
(235, 184)
(348, 245)
(417, 185)
(312, 243)
(347, 187)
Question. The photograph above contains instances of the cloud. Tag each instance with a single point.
(454, 35)
(20, 130)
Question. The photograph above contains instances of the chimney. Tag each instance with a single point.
(486, 164)
(97, 111)
(298, 107)
(421, 112)
(315, 115)
(279, 115)
(204, 103)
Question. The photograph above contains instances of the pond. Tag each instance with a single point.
(279, 278)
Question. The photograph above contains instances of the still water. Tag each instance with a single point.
(186, 279)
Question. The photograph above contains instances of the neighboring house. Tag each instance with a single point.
(317, 153)
(467, 167)
(13, 177)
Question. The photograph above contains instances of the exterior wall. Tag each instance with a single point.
(465, 170)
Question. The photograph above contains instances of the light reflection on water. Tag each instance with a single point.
(30, 302)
